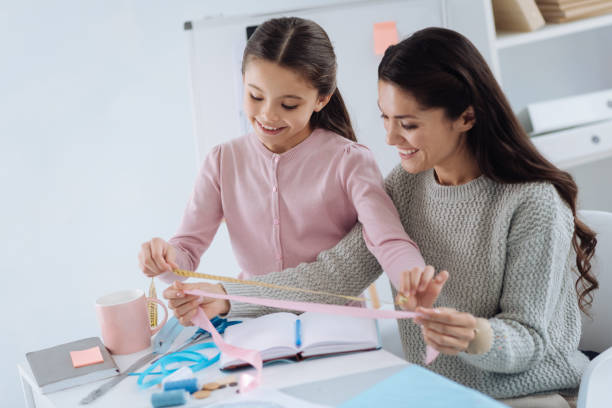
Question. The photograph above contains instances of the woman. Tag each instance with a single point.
(482, 203)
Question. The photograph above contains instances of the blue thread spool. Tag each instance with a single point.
(189, 384)
(168, 398)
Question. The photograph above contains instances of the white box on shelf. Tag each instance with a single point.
(572, 111)
(576, 146)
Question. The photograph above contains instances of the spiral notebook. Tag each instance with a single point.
(279, 336)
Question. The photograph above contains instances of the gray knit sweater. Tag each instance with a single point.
(507, 248)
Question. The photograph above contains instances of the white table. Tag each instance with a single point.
(127, 393)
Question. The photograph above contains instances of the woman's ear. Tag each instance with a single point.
(467, 120)
(321, 102)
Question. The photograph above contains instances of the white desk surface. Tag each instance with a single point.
(127, 393)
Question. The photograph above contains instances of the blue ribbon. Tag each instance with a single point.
(189, 354)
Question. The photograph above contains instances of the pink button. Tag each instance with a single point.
(276, 159)
(276, 221)
(275, 189)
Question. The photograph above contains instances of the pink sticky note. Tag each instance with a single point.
(81, 358)
(385, 34)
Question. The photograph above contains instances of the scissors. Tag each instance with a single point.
(220, 324)
(163, 340)
(162, 343)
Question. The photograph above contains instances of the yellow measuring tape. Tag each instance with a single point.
(191, 274)
(152, 306)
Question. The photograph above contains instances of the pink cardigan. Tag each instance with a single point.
(283, 209)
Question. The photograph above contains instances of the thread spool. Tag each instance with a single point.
(190, 385)
(168, 398)
(183, 373)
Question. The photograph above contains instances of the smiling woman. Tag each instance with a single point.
(426, 138)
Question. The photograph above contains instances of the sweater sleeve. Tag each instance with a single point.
(201, 218)
(383, 232)
(345, 269)
(539, 246)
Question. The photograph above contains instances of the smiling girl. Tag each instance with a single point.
(297, 184)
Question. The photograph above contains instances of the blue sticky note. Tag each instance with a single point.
(416, 386)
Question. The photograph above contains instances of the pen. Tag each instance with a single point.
(298, 333)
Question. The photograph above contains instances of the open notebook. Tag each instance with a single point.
(275, 335)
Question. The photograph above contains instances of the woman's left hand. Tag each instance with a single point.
(446, 330)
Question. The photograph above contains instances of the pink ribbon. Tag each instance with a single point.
(253, 357)
(246, 382)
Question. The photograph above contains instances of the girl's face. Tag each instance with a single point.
(279, 103)
(424, 138)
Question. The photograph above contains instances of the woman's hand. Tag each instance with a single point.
(446, 330)
(156, 257)
(185, 306)
(419, 287)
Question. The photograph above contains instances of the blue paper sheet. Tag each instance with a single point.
(416, 386)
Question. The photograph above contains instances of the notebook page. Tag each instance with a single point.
(324, 333)
(272, 334)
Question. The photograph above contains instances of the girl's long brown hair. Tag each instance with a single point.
(441, 68)
(304, 47)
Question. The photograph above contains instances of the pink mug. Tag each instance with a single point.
(125, 322)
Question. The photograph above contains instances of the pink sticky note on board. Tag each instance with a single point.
(385, 34)
(82, 358)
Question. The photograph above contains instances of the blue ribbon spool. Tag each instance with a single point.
(190, 385)
(168, 398)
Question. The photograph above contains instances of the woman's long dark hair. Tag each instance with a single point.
(443, 69)
(304, 47)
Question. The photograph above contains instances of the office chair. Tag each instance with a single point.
(596, 385)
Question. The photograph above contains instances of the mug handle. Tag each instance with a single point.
(159, 326)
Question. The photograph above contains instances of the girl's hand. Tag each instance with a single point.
(185, 306)
(447, 330)
(156, 257)
(419, 287)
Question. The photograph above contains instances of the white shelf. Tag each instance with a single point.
(576, 146)
(508, 39)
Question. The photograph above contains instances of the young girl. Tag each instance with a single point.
(299, 182)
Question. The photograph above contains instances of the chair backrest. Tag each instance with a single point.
(595, 389)
(597, 330)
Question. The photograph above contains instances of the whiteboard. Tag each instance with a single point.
(216, 52)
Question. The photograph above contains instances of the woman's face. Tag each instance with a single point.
(424, 138)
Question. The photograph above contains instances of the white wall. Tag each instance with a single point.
(96, 155)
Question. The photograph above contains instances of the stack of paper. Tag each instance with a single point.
(561, 11)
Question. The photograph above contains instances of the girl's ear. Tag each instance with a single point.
(467, 120)
(321, 102)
